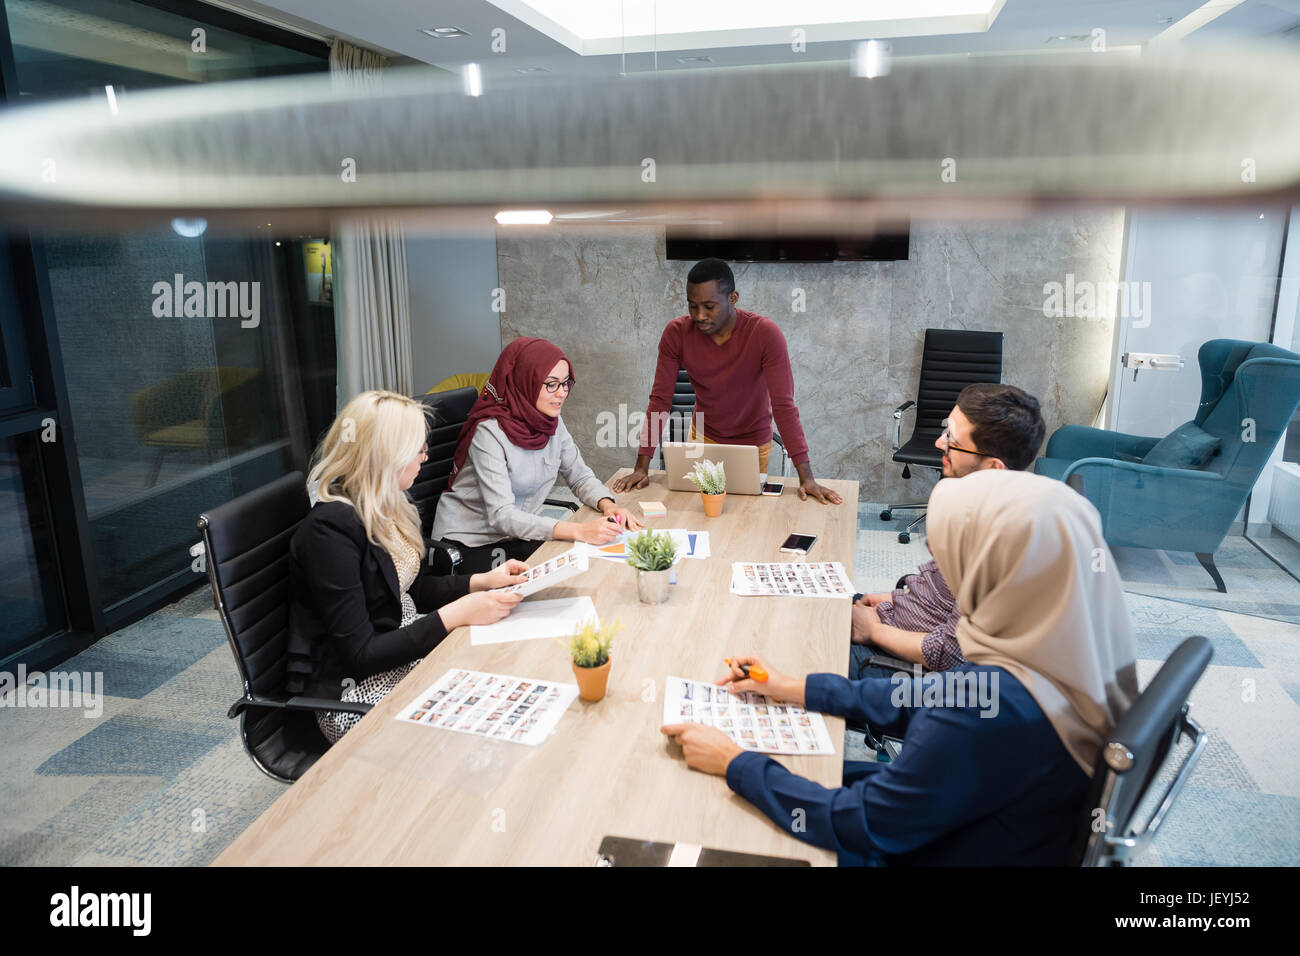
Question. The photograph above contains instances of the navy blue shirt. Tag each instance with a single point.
(967, 790)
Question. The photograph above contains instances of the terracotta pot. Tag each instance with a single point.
(652, 586)
(592, 680)
(713, 504)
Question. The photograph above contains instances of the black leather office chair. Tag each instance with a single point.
(246, 544)
(679, 420)
(448, 413)
(1132, 757)
(951, 360)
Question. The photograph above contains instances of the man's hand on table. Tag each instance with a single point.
(637, 479)
(808, 486)
(866, 620)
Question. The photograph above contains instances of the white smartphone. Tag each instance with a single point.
(773, 488)
(798, 543)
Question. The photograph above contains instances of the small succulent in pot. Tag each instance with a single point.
(709, 476)
(650, 551)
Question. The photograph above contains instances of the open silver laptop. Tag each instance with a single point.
(739, 461)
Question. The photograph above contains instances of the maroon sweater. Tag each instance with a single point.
(740, 385)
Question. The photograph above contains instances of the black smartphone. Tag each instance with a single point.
(799, 543)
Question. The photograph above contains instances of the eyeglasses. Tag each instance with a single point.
(551, 385)
(947, 440)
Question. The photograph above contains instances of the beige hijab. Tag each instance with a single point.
(1039, 596)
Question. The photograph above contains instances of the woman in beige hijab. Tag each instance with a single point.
(1040, 598)
(999, 751)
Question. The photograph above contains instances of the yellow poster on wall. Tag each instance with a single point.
(320, 270)
(318, 256)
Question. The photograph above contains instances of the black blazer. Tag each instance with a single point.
(345, 606)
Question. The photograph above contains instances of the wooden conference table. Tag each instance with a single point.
(392, 793)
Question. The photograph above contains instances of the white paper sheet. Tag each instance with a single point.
(559, 568)
(616, 550)
(818, 579)
(531, 620)
(753, 721)
(518, 709)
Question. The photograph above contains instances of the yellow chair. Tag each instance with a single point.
(463, 380)
(215, 410)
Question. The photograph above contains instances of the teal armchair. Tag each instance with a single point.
(1186, 508)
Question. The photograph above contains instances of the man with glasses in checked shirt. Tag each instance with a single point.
(991, 426)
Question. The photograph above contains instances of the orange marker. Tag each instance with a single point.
(753, 672)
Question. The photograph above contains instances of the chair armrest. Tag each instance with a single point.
(298, 703)
(1124, 846)
(1148, 506)
(894, 663)
(1194, 476)
(560, 503)
(778, 439)
(444, 556)
(898, 423)
(1072, 442)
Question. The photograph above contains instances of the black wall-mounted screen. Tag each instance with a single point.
(883, 246)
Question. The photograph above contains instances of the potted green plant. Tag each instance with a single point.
(589, 649)
(652, 555)
(711, 478)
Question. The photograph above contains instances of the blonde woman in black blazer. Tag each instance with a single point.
(364, 605)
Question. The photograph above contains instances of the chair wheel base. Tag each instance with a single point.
(886, 516)
(904, 537)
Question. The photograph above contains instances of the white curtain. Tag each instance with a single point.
(372, 306)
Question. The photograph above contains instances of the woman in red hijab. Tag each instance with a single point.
(511, 451)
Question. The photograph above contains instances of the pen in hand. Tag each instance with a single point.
(754, 672)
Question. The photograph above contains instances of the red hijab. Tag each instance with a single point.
(510, 396)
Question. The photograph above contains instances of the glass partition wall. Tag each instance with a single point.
(169, 371)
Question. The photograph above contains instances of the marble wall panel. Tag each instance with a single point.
(856, 351)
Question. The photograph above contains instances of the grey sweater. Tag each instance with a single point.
(501, 487)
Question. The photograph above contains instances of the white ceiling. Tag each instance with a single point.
(1021, 26)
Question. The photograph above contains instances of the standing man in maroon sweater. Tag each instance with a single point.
(740, 368)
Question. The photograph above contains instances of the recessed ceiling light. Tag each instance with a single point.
(189, 228)
(695, 59)
(523, 217)
(445, 33)
(531, 69)
(871, 59)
